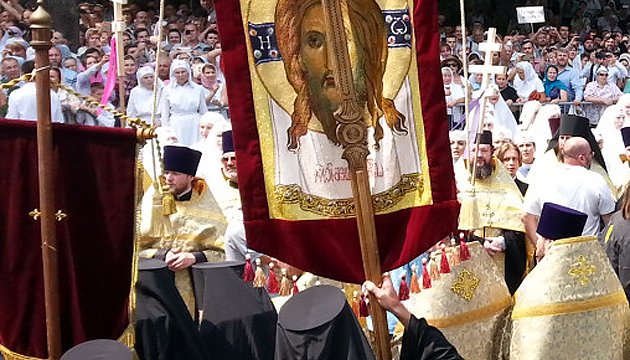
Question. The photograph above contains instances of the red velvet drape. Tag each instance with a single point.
(94, 178)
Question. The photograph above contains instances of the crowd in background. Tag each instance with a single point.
(188, 60)
(581, 63)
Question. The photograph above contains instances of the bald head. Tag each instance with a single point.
(577, 151)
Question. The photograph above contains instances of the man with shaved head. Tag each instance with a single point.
(573, 185)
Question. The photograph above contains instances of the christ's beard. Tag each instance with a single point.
(483, 171)
(324, 106)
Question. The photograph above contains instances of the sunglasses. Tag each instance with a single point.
(602, 74)
(228, 158)
(452, 65)
(188, 32)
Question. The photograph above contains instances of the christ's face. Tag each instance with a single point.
(315, 61)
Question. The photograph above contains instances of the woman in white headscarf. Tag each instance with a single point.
(526, 81)
(609, 126)
(183, 103)
(497, 110)
(141, 97)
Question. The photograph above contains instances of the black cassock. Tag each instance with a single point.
(424, 342)
(235, 320)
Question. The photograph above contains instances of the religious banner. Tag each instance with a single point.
(94, 204)
(295, 186)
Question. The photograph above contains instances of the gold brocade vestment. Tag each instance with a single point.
(197, 226)
(571, 306)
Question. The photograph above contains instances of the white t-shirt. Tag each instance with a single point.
(574, 187)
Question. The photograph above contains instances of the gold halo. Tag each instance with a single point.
(274, 78)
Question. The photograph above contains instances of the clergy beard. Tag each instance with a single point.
(483, 171)
(323, 104)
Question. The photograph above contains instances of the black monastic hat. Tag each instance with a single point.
(318, 322)
(560, 222)
(98, 350)
(574, 125)
(228, 141)
(625, 134)
(485, 138)
(181, 159)
(237, 321)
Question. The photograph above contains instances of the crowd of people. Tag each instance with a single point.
(188, 60)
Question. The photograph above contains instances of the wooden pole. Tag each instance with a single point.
(41, 24)
(118, 26)
(352, 134)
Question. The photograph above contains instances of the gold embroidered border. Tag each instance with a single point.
(292, 194)
(574, 240)
(10, 355)
(475, 315)
(616, 298)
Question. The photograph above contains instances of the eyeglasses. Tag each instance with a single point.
(228, 158)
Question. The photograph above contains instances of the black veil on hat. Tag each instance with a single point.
(164, 328)
(318, 324)
(237, 320)
(575, 125)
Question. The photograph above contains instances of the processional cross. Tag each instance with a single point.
(489, 47)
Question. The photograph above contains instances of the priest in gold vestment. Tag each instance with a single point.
(194, 232)
(491, 206)
(571, 306)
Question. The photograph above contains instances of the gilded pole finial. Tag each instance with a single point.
(40, 18)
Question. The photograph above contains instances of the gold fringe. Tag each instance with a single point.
(475, 315)
(616, 298)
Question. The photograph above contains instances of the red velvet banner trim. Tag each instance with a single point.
(94, 178)
(330, 247)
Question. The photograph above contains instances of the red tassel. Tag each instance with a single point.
(464, 253)
(445, 267)
(272, 282)
(295, 289)
(248, 273)
(426, 277)
(403, 290)
(363, 308)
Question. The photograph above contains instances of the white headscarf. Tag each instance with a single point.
(531, 82)
(179, 64)
(501, 113)
(144, 71)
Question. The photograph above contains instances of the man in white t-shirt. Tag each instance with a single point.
(572, 185)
